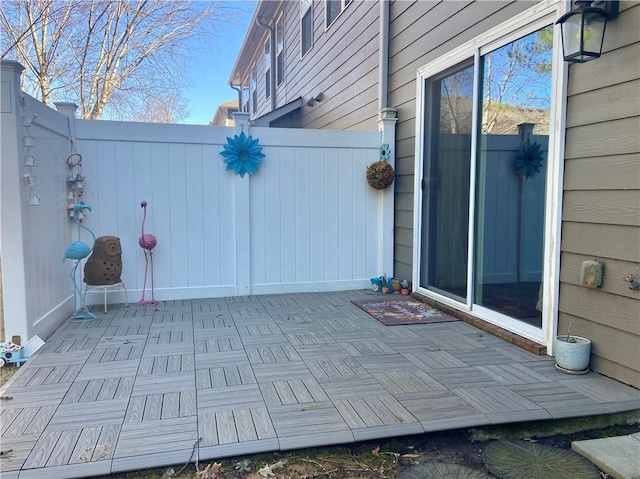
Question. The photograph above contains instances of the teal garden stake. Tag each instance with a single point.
(242, 154)
(77, 251)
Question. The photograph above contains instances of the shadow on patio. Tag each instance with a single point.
(143, 386)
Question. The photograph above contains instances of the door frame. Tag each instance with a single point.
(543, 13)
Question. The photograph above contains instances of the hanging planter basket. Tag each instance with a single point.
(380, 174)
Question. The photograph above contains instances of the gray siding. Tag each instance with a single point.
(421, 32)
(342, 64)
(601, 210)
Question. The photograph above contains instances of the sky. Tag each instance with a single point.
(208, 75)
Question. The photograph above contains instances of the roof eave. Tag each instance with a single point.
(253, 40)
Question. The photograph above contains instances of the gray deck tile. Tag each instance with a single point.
(46, 359)
(435, 405)
(387, 362)
(469, 377)
(602, 390)
(222, 358)
(41, 395)
(158, 436)
(344, 387)
(84, 415)
(495, 400)
(21, 446)
(109, 369)
(139, 386)
(230, 398)
(309, 418)
(146, 460)
(378, 432)
(67, 471)
(229, 342)
(238, 449)
(270, 372)
(518, 416)
(314, 351)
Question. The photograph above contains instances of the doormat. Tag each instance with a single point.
(403, 310)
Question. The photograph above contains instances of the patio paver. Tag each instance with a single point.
(155, 386)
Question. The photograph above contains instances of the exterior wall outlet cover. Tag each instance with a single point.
(591, 274)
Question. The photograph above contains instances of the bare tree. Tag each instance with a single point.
(111, 57)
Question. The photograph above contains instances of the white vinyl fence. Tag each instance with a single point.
(307, 221)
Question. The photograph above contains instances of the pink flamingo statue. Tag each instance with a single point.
(147, 242)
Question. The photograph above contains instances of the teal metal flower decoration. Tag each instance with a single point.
(528, 160)
(242, 154)
(385, 152)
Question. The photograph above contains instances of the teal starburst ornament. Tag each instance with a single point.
(385, 152)
(242, 154)
(528, 160)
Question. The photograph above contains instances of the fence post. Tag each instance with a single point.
(13, 204)
(243, 218)
(387, 127)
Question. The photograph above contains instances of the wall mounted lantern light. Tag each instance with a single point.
(583, 29)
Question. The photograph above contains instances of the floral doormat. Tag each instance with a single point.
(396, 310)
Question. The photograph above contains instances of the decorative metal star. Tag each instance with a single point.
(242, 154)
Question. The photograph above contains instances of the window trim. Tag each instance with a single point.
(303, 14)
(253, 88)
(267, 68)
(343, 5)
(279, 74)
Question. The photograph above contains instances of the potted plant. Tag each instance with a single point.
(572, 353)
(380, 174)
(404, 287)
(385, 284)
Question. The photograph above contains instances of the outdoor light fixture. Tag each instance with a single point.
(583, 29)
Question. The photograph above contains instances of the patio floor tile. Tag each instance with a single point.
(210, 378)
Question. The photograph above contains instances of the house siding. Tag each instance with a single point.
(419, 33)
(601, 209)
(342, 64)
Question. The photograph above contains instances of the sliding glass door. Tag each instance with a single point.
(486, 140)
(445, 186)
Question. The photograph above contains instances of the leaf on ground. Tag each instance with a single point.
(410, 456)
(267, 471)
(376, 450)
(211, 471)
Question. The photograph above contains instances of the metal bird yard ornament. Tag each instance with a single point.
(147, 242)
(77, 251)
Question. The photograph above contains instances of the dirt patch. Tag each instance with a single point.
(385, 459)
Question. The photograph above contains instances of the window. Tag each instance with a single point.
(254, 90)
(267, 68)
(306, 25)
(334, 7)
(280, 51)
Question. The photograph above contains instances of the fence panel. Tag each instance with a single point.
(313, 221)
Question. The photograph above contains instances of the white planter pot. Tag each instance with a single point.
(573, 353)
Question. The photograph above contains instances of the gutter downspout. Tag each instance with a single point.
(272, 61)
(383, 58)
(239, 90)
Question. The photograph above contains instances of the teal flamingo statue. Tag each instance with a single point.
(77, 251)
